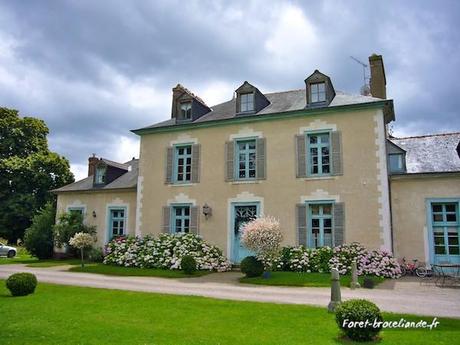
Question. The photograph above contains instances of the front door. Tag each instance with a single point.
(242, 213)
(445, 225)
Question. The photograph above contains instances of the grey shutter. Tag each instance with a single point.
(229, 160)
(194, 219)
(301, 215)
(169, 165)
(166, 219)
(261, 161)
(339, 223)
(301, 152)
(336, 153)
(195, 163)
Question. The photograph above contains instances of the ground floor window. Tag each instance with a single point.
(446, 228)
(117, 222)
(76, 209)
(320, 225)
(181, 219)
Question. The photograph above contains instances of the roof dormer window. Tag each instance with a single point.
(100, 174)
(186, 110)
(318, 92)
(247, 102)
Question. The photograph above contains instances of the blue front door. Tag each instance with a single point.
(445, 231)
(242, 213)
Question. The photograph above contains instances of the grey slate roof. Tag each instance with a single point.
(279, 102)
(431, 153)
(127, 180)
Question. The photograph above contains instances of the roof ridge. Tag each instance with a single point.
(190, 93)
(426, 135)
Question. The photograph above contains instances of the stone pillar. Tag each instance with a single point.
(336, 297)
(354, 276)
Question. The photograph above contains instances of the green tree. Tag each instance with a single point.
(28, 171)
(69, 224)
(38, 238)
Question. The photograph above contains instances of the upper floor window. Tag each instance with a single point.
(318, 152)
(246, 159)
(181, 219)
(318, 92)
(396, 162)
(186, 110)
(183, 163)
(100, 175)
(247, 102)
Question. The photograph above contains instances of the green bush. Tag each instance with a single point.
(21, 284)
(68, 225)
(368, 283)
(358, 310)
(95, 255)
(252, 267)
(38, 238)
(188, 264)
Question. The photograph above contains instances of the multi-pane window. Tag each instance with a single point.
(396, 162)
(181, 219)
(318, 148)
(446, 228)
(77, 210)
(186, 110)
(183, 163)
(246, 102)
(100, 175)
(117, 222)
(246, 155)
(320, 225)
(318, 92)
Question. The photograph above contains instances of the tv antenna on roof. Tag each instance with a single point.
(365, 90)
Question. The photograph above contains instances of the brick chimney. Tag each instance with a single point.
(92, 161)
(378, 81)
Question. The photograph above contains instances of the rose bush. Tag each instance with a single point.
(165, 252)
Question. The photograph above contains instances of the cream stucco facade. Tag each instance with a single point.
(410, 198)
(96, 207)
(362, 187)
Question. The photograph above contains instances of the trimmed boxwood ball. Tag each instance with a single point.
(21, 284)
(356, 310)
(188, 264)
(251, 267)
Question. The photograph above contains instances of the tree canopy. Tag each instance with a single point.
(28, 171)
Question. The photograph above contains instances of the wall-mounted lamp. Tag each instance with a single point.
(207, 211)
(94, 214)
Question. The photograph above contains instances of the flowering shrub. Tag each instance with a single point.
(301, 259)
(165, 252)
(263, 236)
(81, 240)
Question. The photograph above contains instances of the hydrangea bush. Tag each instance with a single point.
(165, 252)
(369, 262)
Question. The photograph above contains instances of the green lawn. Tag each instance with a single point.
(302, 279)
(132, 271)
(54, 262)
(74, 315)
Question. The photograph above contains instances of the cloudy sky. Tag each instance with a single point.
(93, 70)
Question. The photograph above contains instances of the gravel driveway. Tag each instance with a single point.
(400, 296)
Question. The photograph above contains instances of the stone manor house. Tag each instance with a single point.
(319, 160)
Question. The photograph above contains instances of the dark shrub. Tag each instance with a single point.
(368, 283)
(38, 238)
(251, 267)
(21, 284)
(68, 225)
(95, 255)
(356, 310)
(188, 264)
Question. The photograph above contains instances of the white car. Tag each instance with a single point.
(7, 251)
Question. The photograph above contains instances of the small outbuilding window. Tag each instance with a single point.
(397, 162)
(247, 102)
(318, 92)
